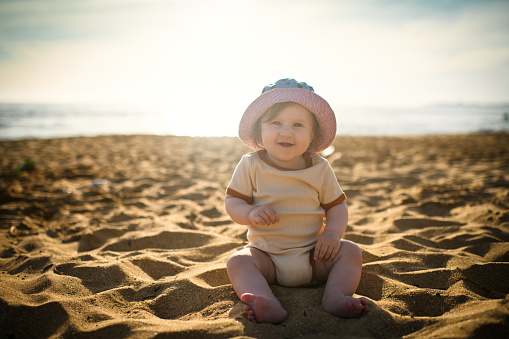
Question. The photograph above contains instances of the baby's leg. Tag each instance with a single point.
(342, 281)
(250, 272)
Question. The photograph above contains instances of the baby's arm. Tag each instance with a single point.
(245, 214)
(327, 246)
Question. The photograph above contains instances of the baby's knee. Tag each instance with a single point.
(236, 260)
(352, 250)
(240, 259)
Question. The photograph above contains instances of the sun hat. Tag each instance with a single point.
(290, 90)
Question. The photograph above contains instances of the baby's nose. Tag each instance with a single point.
(285, 130)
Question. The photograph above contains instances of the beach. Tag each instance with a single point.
(127, 237)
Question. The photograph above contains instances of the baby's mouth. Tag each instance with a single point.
(285, 144)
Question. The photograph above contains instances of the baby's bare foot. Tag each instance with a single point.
(263, 310)
(344, 306)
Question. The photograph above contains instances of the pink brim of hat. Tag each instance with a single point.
(312, 101)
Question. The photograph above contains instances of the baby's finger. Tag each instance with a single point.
(322, 251)
(274, 217)
(334, 253)
(266, 219)
(260, 220)
(268, 214)
(318, 251)
(327, 254)
(271, 215)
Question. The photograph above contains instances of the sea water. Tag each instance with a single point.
(21, 121)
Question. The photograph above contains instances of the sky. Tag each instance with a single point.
(211, 58)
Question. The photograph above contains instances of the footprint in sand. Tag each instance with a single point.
(169, 190)
(413, 223)
(157, 268)
(215, 277)
(163, 240)
(52, 314)
(417, 302)
(435, 208)
(211, 213)
(97, 277)
(186, 297)
(31, 264)
(98, 238)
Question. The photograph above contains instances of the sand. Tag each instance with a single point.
(127, 236)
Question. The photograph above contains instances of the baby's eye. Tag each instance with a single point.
(275, 122)
(298, 124)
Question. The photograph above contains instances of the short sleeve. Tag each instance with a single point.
(331, 193)
(241, 184)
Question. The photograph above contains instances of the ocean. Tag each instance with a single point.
(24, 121)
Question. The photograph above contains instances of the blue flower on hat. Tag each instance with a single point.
(288, 83)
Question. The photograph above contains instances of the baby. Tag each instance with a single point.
(282, 192)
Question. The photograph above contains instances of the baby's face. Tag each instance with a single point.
(288, 136)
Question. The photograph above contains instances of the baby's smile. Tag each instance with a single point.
(288, 135)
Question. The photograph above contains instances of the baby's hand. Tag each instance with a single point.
(263, 215)
(327, 246)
